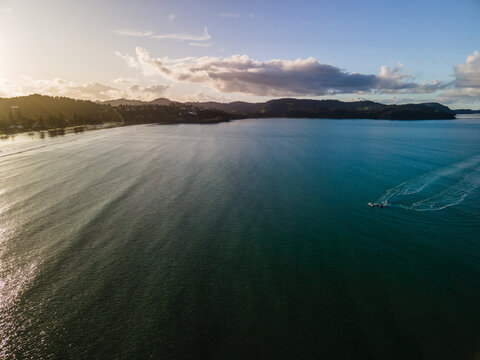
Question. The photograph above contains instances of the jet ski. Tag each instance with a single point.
(373, 204)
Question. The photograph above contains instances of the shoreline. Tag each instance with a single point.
(53, 132)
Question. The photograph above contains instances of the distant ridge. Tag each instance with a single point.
(132, 102)
(291, 107)
(466, 111)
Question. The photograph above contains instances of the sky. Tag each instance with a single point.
(186, 50)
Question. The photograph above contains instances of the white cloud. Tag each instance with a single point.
(396, 80)
(172, 17)
(467, 82)
(7, 10)
(200, 44)
(468, 74)
(460, 95)
(301, 77)
(173, 36)
(143, 61)
(134, 33)
(122, 80)
(182, 36)
(145, 93)
(130, 60)
(7, 88)
(87, 91)
(202, 97)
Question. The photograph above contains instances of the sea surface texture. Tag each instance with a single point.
(244, 240)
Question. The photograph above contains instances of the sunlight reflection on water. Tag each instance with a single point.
(15, 277)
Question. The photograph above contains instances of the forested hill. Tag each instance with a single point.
(333, 109)
(39, 112)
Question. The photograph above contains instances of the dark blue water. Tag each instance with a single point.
(250, 239)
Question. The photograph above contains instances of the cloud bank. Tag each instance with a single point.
(467, 82)
(273, 78)
(467, 75)
(301, 77)
(87, 91)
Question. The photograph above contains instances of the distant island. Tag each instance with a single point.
(466, 111)
(40, 112)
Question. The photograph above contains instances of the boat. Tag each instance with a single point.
(371, 204)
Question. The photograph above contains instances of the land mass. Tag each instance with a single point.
(40, 112)
(466, 111)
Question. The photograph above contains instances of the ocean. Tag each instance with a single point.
(243, 240)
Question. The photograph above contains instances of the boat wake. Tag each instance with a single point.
(436, 189)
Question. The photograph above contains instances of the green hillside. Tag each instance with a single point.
(39, 112)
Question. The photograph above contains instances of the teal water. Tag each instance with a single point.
(243, 240)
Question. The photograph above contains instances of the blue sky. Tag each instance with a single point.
(185, 50)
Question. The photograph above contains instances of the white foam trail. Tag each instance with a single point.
(453, 184)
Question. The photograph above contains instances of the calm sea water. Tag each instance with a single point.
(242, 240)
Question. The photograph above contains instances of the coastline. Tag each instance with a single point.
(45, 113)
